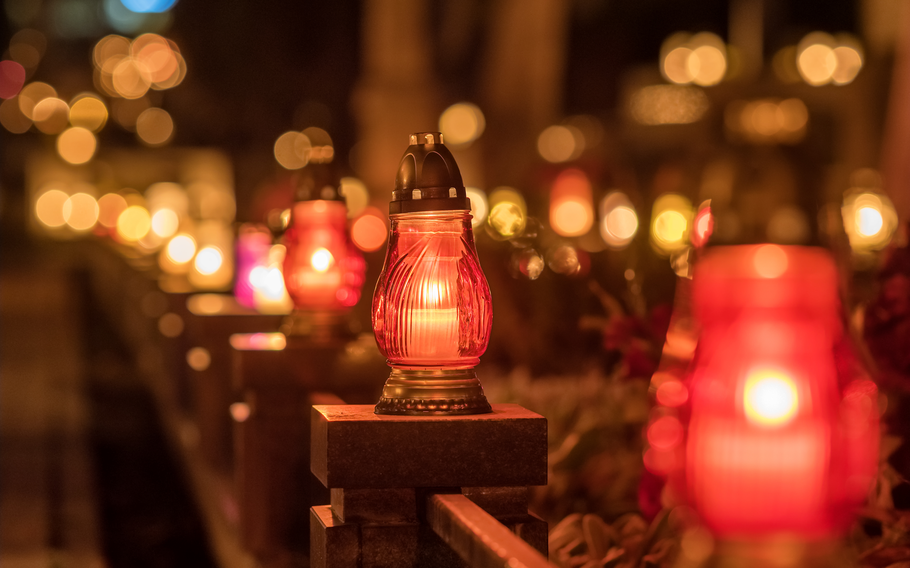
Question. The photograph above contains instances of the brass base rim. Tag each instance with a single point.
(432, 392)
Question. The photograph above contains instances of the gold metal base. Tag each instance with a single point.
(318, 327)
(437, 392)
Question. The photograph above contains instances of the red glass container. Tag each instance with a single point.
(432, 310)
(323, 270)
(779, 441)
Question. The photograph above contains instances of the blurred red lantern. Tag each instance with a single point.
(777, 441)
(323, 271)
(432, 309)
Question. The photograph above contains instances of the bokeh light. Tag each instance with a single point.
(369, 231)
(49, 208)
(768, 121)
(131, 78)
(110, 206)
(292, 150)
(668, 104)
(12, 78)
(89, 112)
(27, 46)
(849, 62)
(155, 126)
(870, 220)
(51, 115)
(356, 196)
(148, 6)
(670, 223)
(198, 358)
(508, 213)
(699, 59)
(12, 118)
(133, 223)
(571, 210)
(76, 145)
(560, 143)
(619, 220)
(165, 223)
(479, 205)
(81, 211)
(209, 260)
(823, 59)
(461, 124)
(181, 249)
(32, 94)
(770, 398)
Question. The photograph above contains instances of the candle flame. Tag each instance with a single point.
(770, 398)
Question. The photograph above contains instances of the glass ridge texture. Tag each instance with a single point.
(323, 270)
(432, 307)
(782, 437)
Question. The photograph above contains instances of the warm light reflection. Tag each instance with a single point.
(770, 261)
(110, 206)
(80, 211)
(672, 393)
(670, 222)
(849, 63)
(198, 358)
(670, 227)
(209, 260)
(131, 78)
(619, 221)
(770, 398)
(823, 59)
(155, 126)
(181, 249)
(369, 231)
(165, 223)
(134, 223)
(270, 295)
(870, 220)
(76, 145)
(479, 205)
(461, 124)
(768, 120)
(572, 217)
(49, 208)
(668, 104)
(258, 341)
(508, 213)
(89, 112)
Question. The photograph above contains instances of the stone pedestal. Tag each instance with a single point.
(382, 469)
(276, 382)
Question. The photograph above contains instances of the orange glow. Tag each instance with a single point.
(110, 206)
(49, 208)
(770, 261)
(870, 220)
(240, 411)
(619, 221)
(770, 398)
(165, 223)
(258, 341)
(51, 115)
(206, 304)
(134, 223)
(699, 59)
(89, 112)
(571, 217)
(461, 124)
(198, 358)
(31, 95)
(369, 231)
(81, 212)
(108, 47)
(849, 62)
(76, 145)
(508, 213)
(704, 226)
(560, 143)
(12, 118)
(130, 78)
(155, 127)
(671, 216)
(668, 104)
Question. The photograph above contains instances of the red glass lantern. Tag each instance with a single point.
(432, 310)
(779, 439)
(323, 271)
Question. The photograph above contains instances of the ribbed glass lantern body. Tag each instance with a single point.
(432, 306)
(322, 269)
(778, 441)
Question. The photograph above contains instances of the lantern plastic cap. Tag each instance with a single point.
(428, 178)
